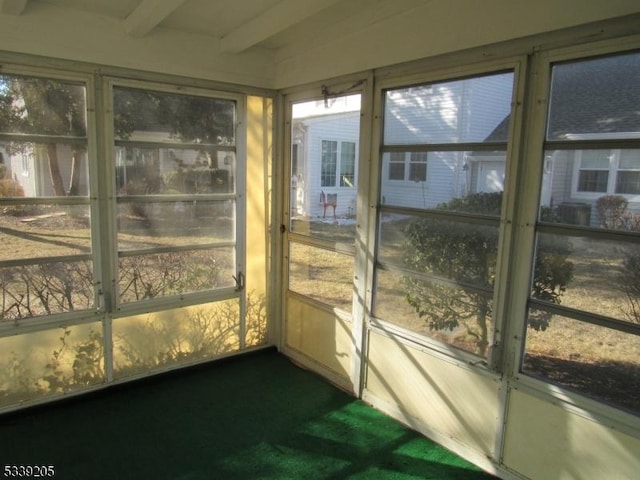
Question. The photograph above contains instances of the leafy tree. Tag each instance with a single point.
(38, 106)
(199, 120)
(187, 118)
(464, 254)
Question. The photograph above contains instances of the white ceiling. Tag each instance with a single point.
(279, 43)
(241, 24)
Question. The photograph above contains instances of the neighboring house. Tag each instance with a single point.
(30, 169)
(464, 111)
(601, 109)
(324, 166)
(324, 146)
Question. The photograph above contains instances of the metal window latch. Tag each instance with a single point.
(239, 281)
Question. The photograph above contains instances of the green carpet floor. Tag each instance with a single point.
(252, 417)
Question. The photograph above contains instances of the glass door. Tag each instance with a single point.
(320, 235)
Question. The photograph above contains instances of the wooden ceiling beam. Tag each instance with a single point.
(276, 19)
(148, 15)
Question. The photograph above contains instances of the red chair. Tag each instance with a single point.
(328, 200)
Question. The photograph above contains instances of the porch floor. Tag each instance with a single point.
(256, 416)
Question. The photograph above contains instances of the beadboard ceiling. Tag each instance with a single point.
(279, 43)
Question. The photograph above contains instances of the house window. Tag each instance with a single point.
(438, 241)
(396, 165)
(407, 166)
(338, 174)
(584, 301)
(611, 172)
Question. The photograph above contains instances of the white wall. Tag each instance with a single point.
(432, 28)
(438, 27)
(70, 34)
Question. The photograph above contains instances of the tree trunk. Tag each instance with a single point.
(54, 170)
(76, 170)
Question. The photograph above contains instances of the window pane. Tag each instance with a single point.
(595, 159)
(342, 230)
(42, 106)
(148, 116)
(595, 276)
(152, 171)
(143, 277)
(347, 164)
(46, 289)
(438, 179)
(629, 160)
(594, 99)
(418, 166)
(628, 175)
(596, 361)
(43, 169)
(593, 181)
(469, 110)
(329, 163)
(166, 224)
(396, 165)
(628, 182)
(325, 136)
(36, 231)
(454, 250)
(321, 274)
(441, 311)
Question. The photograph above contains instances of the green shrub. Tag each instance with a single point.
(464, 255)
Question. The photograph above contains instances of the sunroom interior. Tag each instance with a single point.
(432, 204)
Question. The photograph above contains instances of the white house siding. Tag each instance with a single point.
(421, 115)
(31, 170)
(558, 191)
(445, 180)
(452, 112)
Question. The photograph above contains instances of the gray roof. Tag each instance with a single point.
(590, 97)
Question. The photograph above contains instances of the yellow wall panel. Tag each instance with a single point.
(161, 340)
(258, 191)
(452, 401)
(320, 335)
(546, 441)
(50, 362)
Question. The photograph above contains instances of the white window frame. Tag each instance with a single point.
(337, 180)
(426, 80)
(407, 162)
(238, 196)
(613, 169)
